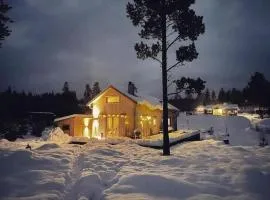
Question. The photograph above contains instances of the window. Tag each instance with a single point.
(154, 121)
(169, 121)
(112, 123)
(109, 123)
(115, 122)
(113, 99)
(65, 127)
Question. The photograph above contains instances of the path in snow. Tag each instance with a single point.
(74, 173)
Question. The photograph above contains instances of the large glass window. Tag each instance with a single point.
(109, 123)
(113, 99)
(115, 122)
(112, 123)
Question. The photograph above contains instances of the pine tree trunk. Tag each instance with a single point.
(166, 143)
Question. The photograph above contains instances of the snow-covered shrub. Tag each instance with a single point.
(58, 136)
(46, 132)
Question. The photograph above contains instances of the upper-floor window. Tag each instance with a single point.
(113, 99)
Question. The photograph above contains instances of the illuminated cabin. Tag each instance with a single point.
(116, 113)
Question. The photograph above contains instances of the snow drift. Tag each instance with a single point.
(56, 135)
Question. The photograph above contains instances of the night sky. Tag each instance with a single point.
(84, 41)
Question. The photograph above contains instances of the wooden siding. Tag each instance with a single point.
(147, 120)
(76, 126)
(125, 107)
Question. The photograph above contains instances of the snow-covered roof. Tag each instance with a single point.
(222, 106)
(141, 98)
(230, 106)
(71, 116)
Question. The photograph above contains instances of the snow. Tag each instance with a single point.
(264, 124)
(157, 140)
(239, 129)
(257, 123)
(55, 135)
(205, 169)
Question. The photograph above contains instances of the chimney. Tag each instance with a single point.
(131, 88)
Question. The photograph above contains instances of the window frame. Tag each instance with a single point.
(112, 96)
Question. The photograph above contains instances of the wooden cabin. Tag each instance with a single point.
(116, 113)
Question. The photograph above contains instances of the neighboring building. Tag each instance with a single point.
(219, 109)
(116, 113)
(208, 109)
(200, 110)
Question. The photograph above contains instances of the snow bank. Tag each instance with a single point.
(256, 122)
(46, 132)
(35, 174)
(58, 136)
(48, 146)
(157, 140)
(264, 125)
(237, 127)
(196, 170)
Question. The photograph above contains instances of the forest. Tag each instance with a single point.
(190, 93)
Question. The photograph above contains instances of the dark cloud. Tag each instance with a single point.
(86, 41)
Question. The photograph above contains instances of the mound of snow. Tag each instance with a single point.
(48, 146)
(264, 125)
(46, 132)
(58, 136)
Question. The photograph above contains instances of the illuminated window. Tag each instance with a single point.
(109, 123)
(113, 99)
(112, 123)
(154, 121)
(169, 121)
(115, 122)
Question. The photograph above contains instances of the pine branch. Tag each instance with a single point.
(169, 24)
(171, 33)
(179, 62)
(170, 84)
(174, 93)
(173, 42)
(156, 59)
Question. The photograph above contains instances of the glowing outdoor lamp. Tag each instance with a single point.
(86, 121)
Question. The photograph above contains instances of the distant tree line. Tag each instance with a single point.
(16, 104)
(21, 112)
(190, 93)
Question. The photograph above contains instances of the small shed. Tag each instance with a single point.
(76, 125)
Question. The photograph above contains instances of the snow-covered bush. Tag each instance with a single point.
(56, 135)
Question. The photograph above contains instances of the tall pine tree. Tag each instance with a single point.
(87, 95)
(164, 23)
(213, 96)
(96, 89)
(206, 97)
(221, 96)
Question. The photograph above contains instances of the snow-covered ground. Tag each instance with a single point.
(157, 140)
(257, 123)
(239, 128)
(205, 169)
